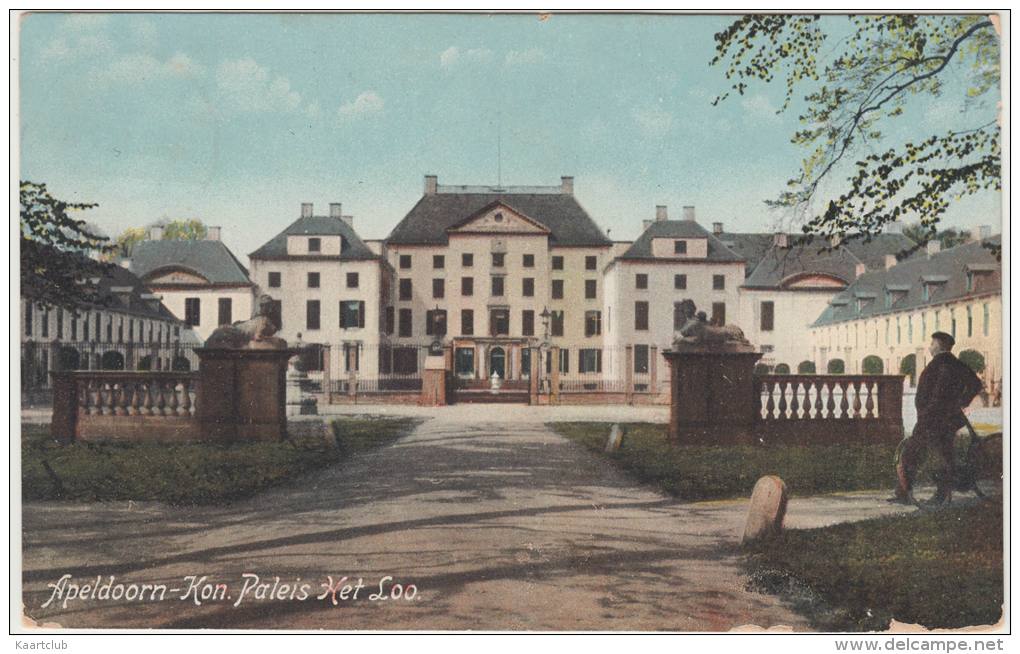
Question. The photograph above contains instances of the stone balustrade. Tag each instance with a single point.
(117, 405)
(812, 408)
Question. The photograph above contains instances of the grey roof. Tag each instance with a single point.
(642, 247)
(130, 302)
(752, 247)
(951, 264)
(210, 259)
(872, 251)
(568, 223)
(805, 255)
(353, 247)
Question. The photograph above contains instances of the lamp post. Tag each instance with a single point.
(544, 348)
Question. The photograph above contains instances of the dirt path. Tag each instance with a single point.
(498, 526)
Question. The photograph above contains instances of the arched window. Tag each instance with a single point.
(872, 365)
(806, 368)
(836, 367)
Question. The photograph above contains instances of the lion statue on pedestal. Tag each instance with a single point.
(256, 333)
(698, 334)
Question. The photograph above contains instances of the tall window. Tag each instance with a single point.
(438, 261)
(952, 322)
(405, 289)
(768, 311)
(467, 286)
(29, 314)
(528, 322)
(557, 289)
(718, 282)
(435, 322)
(528, 261)
(467, 322)
(679, 247)
(405, 261)
(498, 259)
(589, 360)
(678, 316)
(557, 263)
(641, 280)
(314, 245)
(467, 259)
(986, 312)
(192, 311)
(60, 324)
(590, 289)
(499, 322)
(719, 313)
(274, 280)
(312, 314)
(497, 286)
(528, 289)
(641, 316)
(592, 323)
(225, 311)
(464, 361)
(352, 280)
(970, 322)
(591, 263)
(313, 280)
(564, 360)
(641, 359)
(438, 288)
(680, 282)
(405, 323)
(556, 323)
(352, 314)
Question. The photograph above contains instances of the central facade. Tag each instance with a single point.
(493, 272)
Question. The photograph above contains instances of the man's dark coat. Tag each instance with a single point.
(946, 386)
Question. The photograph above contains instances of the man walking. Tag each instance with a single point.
(945, 388)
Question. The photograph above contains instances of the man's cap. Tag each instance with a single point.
(946, 339)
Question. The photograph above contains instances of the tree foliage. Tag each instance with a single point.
(56, 267)
(947, 238)
(852, 95)
(173, 230)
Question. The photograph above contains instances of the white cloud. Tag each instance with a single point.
(759, 108)
(653, 121)
(525, 57)
(246, 86)
(367, 102)
(454, 56)
(139, 68)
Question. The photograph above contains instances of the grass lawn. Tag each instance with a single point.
(935, 568)
(189, 473)
(701, 472)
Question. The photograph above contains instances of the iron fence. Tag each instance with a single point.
(38, 360)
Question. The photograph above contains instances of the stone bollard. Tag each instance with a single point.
(615, 439)
(767, 510)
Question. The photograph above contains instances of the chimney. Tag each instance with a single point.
(349, 220)
(212, 233)
(717, 228)
(645, 224)
(934, 247)
(984, 232)
(689, 213)
(567, 185)
(431, 184)
(306, 209)
(894, 227)
(890, 261)
(859, 269)
(781, 239)
(661, 212)
(156, 233)
(834, 240)
(335, 210)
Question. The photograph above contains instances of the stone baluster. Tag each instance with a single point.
(95, 390)
(184, 409)
(160, 398)
(830, 403)
(844, 401)
(783, 388)
(81, 387)
(869, 403)
(818, 407)
(147, 401)
(770, 403)
(172, 403)
(136, 399)
(795, 401)
(105, 398)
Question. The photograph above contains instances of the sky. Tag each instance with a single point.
(236, 119)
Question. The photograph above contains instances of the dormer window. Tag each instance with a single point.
(930, 285)
(680, 247)
(315, 245)
(979, 277)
